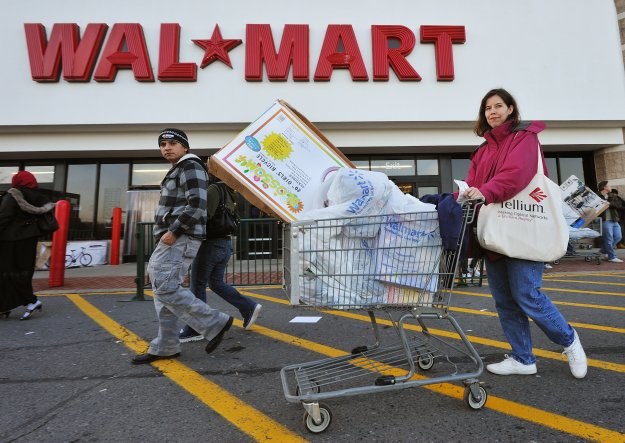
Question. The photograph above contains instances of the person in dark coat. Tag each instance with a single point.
(20, 209)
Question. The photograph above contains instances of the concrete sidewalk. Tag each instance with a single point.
(90, 279)
(109, 278)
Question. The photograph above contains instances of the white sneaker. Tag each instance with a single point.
(548, 266)
(511, 367)
(615, 260)
(577, 358)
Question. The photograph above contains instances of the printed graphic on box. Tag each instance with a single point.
(581, 199)
(280, 158)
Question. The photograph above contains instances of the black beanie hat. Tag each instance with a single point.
(174, 134)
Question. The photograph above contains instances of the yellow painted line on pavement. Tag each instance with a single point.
(588, 305)
(608, 366)
(589, 282)
(507, 407)
(563, 303)
(259, 287)
(584, 274)
(246, 418)
(575, 291)
(574, 324)
(584, 291)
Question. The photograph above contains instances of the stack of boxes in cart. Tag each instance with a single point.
(347, 255)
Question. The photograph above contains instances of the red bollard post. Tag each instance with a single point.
(59, 245)
(116, 236)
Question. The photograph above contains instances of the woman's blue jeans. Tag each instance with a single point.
(209, 269)
(515, 285)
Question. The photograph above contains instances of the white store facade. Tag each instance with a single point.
(396, 86)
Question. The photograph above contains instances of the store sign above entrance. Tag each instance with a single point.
(126, 48)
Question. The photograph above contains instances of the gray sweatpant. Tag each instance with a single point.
(167, 269)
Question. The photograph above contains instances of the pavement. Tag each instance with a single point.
(109, 278)
(66, 374)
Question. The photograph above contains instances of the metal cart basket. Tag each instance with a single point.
(580, 246)
(392, 264)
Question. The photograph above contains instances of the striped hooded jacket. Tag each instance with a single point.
(182, 205)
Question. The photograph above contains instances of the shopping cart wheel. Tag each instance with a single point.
(425, 361)
(326, 419)
(471, 401)
(587, 259)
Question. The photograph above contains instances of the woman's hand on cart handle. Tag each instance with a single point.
(473, 194)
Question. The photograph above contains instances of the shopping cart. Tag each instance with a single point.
(581, 241)
(393, 264)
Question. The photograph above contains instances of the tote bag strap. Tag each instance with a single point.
(539, 166)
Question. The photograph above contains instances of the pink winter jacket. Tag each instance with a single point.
(505, 164)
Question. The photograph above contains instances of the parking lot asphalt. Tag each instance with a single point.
(66, 374)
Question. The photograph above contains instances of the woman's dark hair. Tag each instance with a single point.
(482, 126)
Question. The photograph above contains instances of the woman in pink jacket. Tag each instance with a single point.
(500, 168)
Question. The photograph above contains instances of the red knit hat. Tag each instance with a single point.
(24, 179)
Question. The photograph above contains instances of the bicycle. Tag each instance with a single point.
(84, 258)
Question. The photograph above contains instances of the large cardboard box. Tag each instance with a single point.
(581, 199)
(279, 163)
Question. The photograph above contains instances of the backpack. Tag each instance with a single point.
(226, 221)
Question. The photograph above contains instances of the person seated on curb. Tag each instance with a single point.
(180, 227)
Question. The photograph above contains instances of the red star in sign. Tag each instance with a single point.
(216, 48)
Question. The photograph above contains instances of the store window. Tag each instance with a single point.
(571, 166)
(6, 174)
(552, 168)
(427, 166)
(43, 173)
(112, 193)
(148, 174)
(81, 181)
(425, 190)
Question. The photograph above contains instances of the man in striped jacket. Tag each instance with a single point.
(180, 227)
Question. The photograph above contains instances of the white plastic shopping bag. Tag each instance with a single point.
(529, 226)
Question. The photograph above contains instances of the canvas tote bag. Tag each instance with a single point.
(529, 226)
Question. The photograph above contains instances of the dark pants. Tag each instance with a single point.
(17, 266)
(209, 269)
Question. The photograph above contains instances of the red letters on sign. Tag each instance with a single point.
(113, 56)
(259, 47)
(340, 50)
(169, 68)
(383, 56)
(125, 48)
(443, 37)
(77, 56)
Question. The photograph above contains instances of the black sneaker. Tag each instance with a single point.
(214, 342)
(188, 334)
(251, 317)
